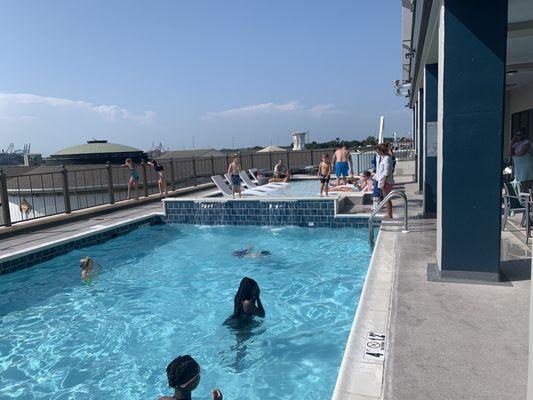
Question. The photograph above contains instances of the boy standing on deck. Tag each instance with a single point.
(234, 170)
(324, 173)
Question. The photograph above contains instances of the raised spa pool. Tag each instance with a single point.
(299, 189)
(165, 291)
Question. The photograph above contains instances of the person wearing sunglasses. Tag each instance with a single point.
(183, 375)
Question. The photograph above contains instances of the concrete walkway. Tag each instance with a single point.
(42, 236)
(456, 341)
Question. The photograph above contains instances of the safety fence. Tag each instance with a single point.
(61, 189)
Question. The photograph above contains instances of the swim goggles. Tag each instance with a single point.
(184, 385)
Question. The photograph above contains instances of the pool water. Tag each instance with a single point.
(165, 291)
(302, 188)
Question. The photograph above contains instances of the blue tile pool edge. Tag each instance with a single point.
(44, 252)
(305, 212)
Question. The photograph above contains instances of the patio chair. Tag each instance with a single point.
(513, 202)
(226, 190)
(256, 188)
(253, 173)
(269, 187)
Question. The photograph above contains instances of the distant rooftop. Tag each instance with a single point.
(96, 147)
(198, 153)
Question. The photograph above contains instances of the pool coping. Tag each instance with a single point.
(360, 378)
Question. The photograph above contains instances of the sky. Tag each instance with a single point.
(225, 73)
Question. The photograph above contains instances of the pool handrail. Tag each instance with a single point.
(393, 193)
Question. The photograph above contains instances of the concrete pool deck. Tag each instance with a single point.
(456, 340)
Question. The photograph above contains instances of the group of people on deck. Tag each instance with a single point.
(379, 182)
(281, 174)
(133, 182)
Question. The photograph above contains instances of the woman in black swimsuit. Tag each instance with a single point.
(160, 171)
(246, 303)
(183, 375)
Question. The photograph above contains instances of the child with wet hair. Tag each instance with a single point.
(183, 374)
(246, 303)
(87, 268)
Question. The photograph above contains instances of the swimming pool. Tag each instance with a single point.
(165, 291)
(301, 188)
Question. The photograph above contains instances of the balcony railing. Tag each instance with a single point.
(37, 195)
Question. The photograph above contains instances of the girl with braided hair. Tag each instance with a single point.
(246, 303)
(183, 375)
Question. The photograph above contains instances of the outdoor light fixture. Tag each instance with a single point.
(410, 54)
(512, 72)
(401, 88)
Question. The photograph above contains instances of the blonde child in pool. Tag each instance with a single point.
(88, 272)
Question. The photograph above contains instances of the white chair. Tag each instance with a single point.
(253, 173)
(227, 191)
(256, 188)
(270, 187)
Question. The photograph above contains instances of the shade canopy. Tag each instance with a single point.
(271, 149)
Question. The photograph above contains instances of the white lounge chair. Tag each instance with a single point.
(256, 188)
(270, 187)
(227, 191)
(253, 173)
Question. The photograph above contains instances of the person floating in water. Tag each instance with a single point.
(88, 272)
(249, 252)
(183, 375)
(247, 303)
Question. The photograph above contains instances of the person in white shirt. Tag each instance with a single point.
(384, 175)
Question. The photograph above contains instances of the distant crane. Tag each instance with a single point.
(157, 149)
(9, 148)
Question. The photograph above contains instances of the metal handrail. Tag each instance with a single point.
(393, 193)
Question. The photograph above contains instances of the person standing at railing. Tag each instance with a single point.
(384, 175)
(134, 178)
(162, 182)
(390, 152)
(234, 170)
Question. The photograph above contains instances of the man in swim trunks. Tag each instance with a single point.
(340, 161)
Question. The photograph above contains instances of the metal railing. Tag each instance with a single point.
(58, 190)
(394, 193)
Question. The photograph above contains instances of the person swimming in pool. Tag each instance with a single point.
(88, 271)
(249, 252)
(183, 374)
(247, 303)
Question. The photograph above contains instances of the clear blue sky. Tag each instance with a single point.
(135, 72)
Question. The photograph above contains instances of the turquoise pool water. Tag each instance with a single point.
(303, 188)
(165, 291)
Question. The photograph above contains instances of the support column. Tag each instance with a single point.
(415, 138)
(430, 139)
(471, 88)
(421, 134)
